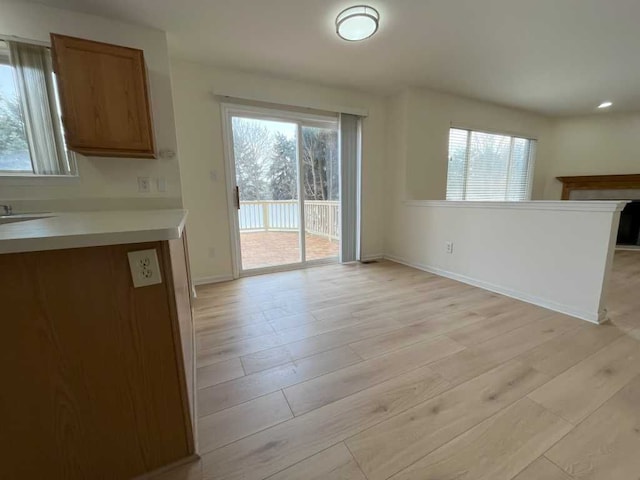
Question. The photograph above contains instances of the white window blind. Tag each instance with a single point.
(31, 136)
(488, 166)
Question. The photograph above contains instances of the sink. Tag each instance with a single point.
(4, 219)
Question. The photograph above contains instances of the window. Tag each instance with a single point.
(31, 136)
(488, 166)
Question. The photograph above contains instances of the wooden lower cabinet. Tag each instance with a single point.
(97, 376)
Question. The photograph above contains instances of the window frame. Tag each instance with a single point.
(23, 177)
(533, 141)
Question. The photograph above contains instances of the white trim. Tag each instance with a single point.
(559, 205)
(230, 95)
(593, 317)
(212, 279)
(16, 179)
(302, 231)
(274, 114)
(230, 176)
(372, 256)
(31, 41)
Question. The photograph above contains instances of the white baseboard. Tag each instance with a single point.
(371, 256)
(593, 317)
(212, 279)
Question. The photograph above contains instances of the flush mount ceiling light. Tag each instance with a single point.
(605, 105)
(357, 23)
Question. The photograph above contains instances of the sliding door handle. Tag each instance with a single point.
(237, 197)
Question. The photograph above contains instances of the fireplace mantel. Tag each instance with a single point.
(598, 182)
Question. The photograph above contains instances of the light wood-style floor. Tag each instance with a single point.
(382, 371)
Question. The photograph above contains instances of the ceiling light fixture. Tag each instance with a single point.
(605, 105)
(357, 23)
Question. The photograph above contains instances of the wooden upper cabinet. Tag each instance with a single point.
(104, 98)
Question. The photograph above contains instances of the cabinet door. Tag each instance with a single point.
(104, 98)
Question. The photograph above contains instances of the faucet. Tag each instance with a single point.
(8, 210)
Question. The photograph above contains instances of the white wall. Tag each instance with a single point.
(104, 182)
(419, 122)
(417, 148)
(556, 258)
(554, 254)
(429, 115)
(199, 129)
(603, 144)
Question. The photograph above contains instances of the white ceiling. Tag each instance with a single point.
(557, 57)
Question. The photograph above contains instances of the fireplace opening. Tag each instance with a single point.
(629, 230)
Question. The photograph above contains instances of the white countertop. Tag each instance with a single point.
(61, 230)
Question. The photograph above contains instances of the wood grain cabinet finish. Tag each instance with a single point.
(104, 98)
(96, 374)
(598, 182)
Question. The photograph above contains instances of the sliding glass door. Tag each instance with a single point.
(287, 183)
(321, 192)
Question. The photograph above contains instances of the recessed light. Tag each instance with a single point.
(357, 23)
(605, 105)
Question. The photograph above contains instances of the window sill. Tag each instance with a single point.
(559, 205)
(17, 180)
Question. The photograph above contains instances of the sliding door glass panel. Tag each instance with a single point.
(321, 190)
(267, 178)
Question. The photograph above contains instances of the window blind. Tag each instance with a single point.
(488, 166)
(30, 114)
(349, 187)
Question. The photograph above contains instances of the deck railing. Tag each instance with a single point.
(320, 217)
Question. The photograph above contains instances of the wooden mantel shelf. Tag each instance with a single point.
(598, 182)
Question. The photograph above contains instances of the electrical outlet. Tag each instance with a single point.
(449, 247)
(144, 184)
(145, 269)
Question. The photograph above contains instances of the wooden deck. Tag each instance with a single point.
(265, 249)
(382, 371)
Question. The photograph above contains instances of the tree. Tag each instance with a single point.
(320, 163)
(266, 162)
(252, 147)
(283, 171)
(12, 136)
